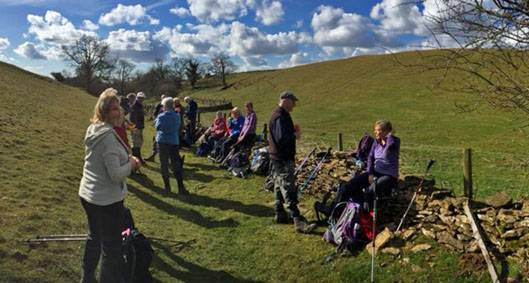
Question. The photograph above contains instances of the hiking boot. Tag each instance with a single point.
(282, 217)
(302, 226)
(88, 278)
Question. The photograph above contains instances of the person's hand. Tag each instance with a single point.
(135, 162)
(371, 179)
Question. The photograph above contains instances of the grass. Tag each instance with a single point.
(227, 221)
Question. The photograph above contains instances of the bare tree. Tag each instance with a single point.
(89, 58)
(488, 50)
(222, 66)
(122, 74)
(161, 70)
(192, 71)
(178, 67)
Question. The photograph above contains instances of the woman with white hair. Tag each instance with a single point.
(102, 190)
(168, 126)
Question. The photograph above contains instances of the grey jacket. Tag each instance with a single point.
(106, 166)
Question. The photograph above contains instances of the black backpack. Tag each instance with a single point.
(137, 252)
(203, 149)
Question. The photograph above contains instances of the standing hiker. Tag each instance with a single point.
(382, 163)
(191, 113)
(178, 108)
(282, 147)
(168, 124)
(137, 116)
(102, 190)
(157, 111)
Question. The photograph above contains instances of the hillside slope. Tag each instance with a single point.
(349, 95)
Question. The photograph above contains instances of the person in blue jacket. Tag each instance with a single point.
(168, 126)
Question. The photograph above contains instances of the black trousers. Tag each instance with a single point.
(170, 152)
(105, 224)
(226, 145)
(354, 188)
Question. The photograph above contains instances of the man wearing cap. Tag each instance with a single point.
(137, 117)
(168, 124)
(282, 147)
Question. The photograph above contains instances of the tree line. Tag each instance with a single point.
(95, 68)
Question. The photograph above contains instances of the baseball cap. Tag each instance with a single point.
(288, 95)
(140, 94)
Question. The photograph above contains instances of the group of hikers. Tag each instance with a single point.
(109, 160)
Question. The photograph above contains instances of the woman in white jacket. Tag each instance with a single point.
(108, 162)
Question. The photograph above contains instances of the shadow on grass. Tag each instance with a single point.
(204, 167)
(189, 215)
(192, 272)
(225, 204)
(188, 174)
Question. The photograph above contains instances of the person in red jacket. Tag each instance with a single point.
(218, 130)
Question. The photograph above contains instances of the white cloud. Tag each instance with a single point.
(133, 15)
(181, 12)
(296, 59)
(269, 13)
(89, 25)
(249, 41)
(55, 29)
(253, 63)
(338, 32)
(206, 40)
(216, 10)
(138, 46)
(4, 43)
(299, 24)
(397, 17)
(28, 50)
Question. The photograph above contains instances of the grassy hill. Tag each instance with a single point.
(227, 222)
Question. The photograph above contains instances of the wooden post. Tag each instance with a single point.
(265, 132)
(467, 172)
(340, 142)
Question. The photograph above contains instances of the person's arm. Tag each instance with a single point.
(157, 124)
(116, 171)
(371, 160)
(282, 134)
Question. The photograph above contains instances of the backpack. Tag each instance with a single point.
(137, 254)
(136, 251)
(364, 147)
(261, 162)
(344, 230)
(217, 147)
(203, 149)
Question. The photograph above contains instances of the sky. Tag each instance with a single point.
(256, 34)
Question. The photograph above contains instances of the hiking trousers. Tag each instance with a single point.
(137, 138)
(170, 153)
(104, 224)
(285, 190)
(354, 188)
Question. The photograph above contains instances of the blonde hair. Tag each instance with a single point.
(236, 110)
(176, 101)
(219, 114)
(102, 108)
(384, 125)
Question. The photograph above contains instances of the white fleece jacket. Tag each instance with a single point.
(106, 166)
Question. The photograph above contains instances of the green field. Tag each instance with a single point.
(229, 220)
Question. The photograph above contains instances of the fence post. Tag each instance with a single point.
(467, 172)
(265, 132)
(340, 142)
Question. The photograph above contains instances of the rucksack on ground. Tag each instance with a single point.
(261, 162)
(203, 149)
(344, 225)
(136, 250)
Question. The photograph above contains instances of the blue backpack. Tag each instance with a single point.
(261, 162)
(344, 227)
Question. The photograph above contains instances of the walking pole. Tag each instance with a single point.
(314, 171)
(374, 231)
(419, 187)
(303, 162)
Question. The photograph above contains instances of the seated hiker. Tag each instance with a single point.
(235, 125)
(218, 130)
(247, 136)
(382, 164)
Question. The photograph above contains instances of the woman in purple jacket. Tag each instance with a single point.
(382, 165)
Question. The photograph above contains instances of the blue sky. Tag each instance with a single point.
(257, 34)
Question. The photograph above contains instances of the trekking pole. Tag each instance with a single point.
(419, 187)
(58, 238)
(314, 171)
(374, 230)
(303, 162)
